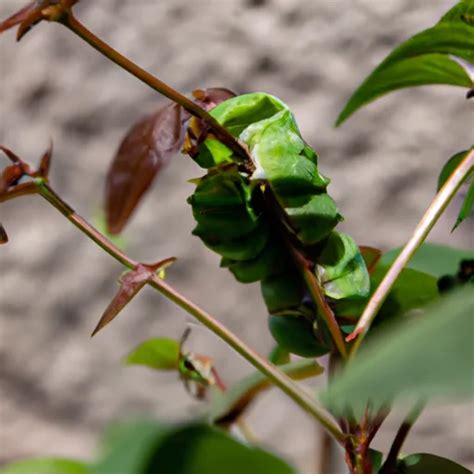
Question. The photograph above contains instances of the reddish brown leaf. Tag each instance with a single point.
(34, 12)
(197, 131)
(3, 235)
(146, 149)
(45, 162)
(10, 176)
(19, 17)
(131, 283)
(371, 256)
(209, 98)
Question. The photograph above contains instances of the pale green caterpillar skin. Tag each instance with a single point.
(232, 220)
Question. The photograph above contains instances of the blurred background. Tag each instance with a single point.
(59, 388)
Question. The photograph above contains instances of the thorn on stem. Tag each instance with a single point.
(3, 235)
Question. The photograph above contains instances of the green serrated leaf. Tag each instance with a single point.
(436, 260)
(46, 466)
(157, 353)
(236, 399)
(423, 463)
(426, 58)
(430, 357)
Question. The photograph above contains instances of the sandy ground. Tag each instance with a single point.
(57, 387)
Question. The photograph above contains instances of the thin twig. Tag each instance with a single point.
(325, 310)
(280, 379)
(402, 433)
(433, 213)
(71, 22)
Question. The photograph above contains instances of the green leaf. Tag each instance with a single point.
(200, 449)
(434, 259)
(229, 405)
(296, 334)
(341, 268)
(46, 466)
(426, 58)
(313, 217)
(429, 464)
(147, 447)
(423, 358)
(282, 291)
(279, 356)
(448, 168)
(412, 290)
(157, 353)
(128, 447)
(467, 206)
(376, 457)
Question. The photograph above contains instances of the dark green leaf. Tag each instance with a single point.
(282, 291)
(46, 466)
(128, 447)
(430, 356)
(376, 457)
(412, 290)
(426, 58)
(279, 356)
(437, 260)
(341, 268)
(146, 447)
(467, 206)
(429, 464)
(157, 353)
(450, 166)
(229, 405)
(296, 334)
(200, 449)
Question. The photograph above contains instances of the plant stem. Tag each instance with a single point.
(402, 433)
(306, 268)
(280, 379)
(71, 22)
(433, 213)
(324, 309)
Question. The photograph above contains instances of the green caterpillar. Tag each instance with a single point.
(232, 219)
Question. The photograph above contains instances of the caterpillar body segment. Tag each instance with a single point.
(228, 206)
